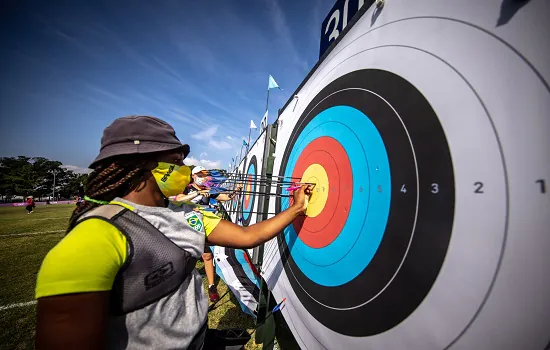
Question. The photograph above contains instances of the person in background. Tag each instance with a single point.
(124, 275)
(198, 193)
(30, 205)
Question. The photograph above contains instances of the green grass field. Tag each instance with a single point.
(24, 241)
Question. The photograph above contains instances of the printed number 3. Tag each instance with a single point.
(435, 188)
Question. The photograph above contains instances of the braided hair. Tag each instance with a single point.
(109, 180)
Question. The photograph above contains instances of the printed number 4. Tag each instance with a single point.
(403, 189)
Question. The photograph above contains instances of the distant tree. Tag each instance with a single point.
(44, 171)
(18, 177)
(71, 184)
(24, 176)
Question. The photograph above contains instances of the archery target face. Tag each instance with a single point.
(249, 191)
(236, 200)
(253, 181)
(239, 200)
(429, 215)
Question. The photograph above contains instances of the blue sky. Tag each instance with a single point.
(70, 67)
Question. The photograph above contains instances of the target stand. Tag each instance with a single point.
(427, 140)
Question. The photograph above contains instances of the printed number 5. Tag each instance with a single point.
(435, 188)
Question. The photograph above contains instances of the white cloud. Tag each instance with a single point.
(219, 144)
(208, 164)
(229, 137)
(203, 154)
(209, 135)
(206, 133)
(77, 169)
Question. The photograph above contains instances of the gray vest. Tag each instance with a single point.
(155, 266)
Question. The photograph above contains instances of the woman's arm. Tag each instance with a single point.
(228, 234)
(224, 197)
(72, 321)
(188, 197)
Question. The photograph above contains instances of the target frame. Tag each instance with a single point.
(374, 51)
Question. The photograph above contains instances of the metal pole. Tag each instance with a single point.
(241, 154)
(54, 185)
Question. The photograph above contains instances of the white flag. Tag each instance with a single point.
(263, 123)
(252, 125)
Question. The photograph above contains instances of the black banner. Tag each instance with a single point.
(337, 20)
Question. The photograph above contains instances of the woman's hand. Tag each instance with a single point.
(205, 193)
(228, 234)
(301, 198)
(239, 188)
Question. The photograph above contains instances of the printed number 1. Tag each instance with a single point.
(542, 185)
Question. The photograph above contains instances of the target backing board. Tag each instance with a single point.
(425, 130)
(253, 183)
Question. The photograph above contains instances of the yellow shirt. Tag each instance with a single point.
(88, 259)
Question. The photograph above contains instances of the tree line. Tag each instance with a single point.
(34, 176)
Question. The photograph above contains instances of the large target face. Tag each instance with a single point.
(426, 139)
(368, 223)
(249, 191)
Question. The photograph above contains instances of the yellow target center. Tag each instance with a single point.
(317, 175)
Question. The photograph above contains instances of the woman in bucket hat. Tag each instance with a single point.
(123, 277)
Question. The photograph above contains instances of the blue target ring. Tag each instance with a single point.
(353, 249)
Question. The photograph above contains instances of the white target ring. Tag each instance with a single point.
(477, 108)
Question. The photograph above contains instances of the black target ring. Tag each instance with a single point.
(401, 113)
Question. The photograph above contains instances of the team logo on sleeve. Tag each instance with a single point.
(194, 221)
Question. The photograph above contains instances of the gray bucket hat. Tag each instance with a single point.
(138, 135)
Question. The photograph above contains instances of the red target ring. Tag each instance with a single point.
(321, 230)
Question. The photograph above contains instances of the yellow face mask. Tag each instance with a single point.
(172, 179)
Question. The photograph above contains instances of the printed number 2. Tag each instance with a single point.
(336, 19)
(435, 188)
(542, 185)
(479, 187)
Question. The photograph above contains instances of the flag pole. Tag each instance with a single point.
(248, 144)
(267, 102)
